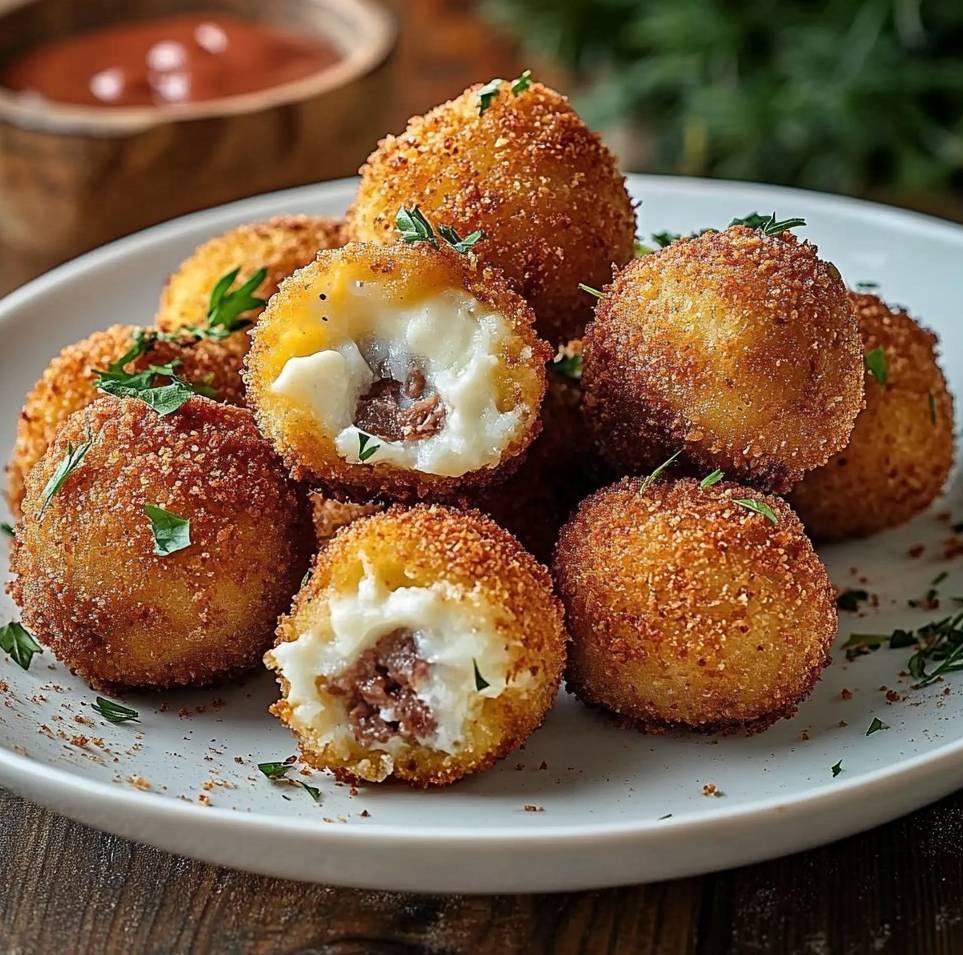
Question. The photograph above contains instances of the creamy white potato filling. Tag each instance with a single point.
(450, 339)
(452, 631)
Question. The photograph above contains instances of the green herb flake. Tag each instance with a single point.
(312, 791)
(487, 93)
(568, 366)
(751, 221)
(866, 286)
(641, 249)
(591, 291)
(365, 452)
(274, 770)
(115, 712)
(876, 726)
(877, 365)
(654, 476)
(414, 227)
(480, 682)
(850, 599)
(224, 308)
(7, 529)
(18, 642)
(662, 239)
(522, 83)
(164, 399)
(714, 477)
(837, 768)
(69, 464)
(773, 227)
(459, 244)
(757, 507)
(171, 532)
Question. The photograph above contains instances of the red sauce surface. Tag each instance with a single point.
(187, 58)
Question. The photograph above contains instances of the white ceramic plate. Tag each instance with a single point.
(605, 794)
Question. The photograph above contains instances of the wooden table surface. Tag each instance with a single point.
(65, 888)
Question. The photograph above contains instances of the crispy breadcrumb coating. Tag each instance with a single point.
(67, 385)
(689, 610)
(329, 515)
(546, 192)
(901, 449)
(289, 328)
(280, 245)
(473, 560)
(87, 579)
(740, 349)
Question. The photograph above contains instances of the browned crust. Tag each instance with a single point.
(470, 551)
(313, 458)
(544, 189)
(280, 245)
(67, 385)
(87, 580)
(901, 450)
(738, 348)
(687, 610)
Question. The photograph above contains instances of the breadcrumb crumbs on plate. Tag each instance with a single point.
(138, 782)
(529, 807)
(916, 551)
(845, 694)
(709, 789)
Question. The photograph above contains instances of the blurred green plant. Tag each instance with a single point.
(842, 95)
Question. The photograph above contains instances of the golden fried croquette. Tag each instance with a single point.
(426, 645)
(737, 347)
(545, 191)
(89, 580)
(901, 449)
(67, 385)
(399, 370)
(280, 245)
(689, 610)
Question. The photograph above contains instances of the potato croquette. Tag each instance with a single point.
(901, 450)
(68, 384)
(544, 190)
(689, 610)
(399, 370)
(88, 575)
(426, 645)
(280, 245)
(737, 347)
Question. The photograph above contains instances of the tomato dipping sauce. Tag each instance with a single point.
(186, 58)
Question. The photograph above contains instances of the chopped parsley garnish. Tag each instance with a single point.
(480, 682)
(18, 642)
(757, 507)
(837, 768)
(115, 712)
(464, 246)
(569, 366)
(866, 286)
(714, 477)
(877, 365)
(413, 226)
(274, 770)
(492, 88)
(641, 249)
(7, 529)
(668, 462)
(662, 239)
(930, 600)
(768, 225)
(590, 290)
(522, 83)
(364, 452)
(171, 532)
(67, 466)
(932, 403)
(277, 772)
(876, 726)
(225, 307)
(851, 599)
(668, 815)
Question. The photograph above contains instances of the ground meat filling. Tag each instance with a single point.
(379, 691)
(400, 411)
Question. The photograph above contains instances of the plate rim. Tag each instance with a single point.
(931, 772)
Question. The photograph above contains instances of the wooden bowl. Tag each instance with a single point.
(74, 177)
